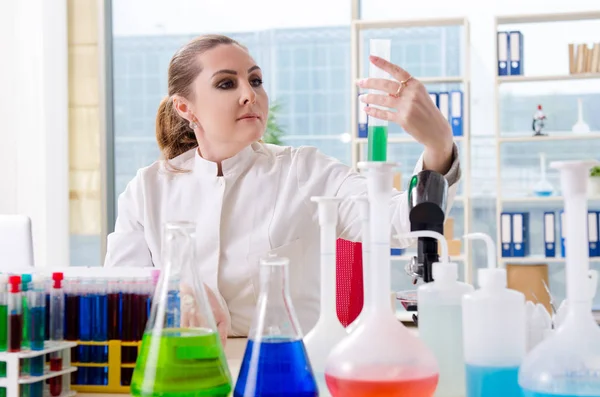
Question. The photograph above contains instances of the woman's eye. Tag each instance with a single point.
(256, 82)
(225, 84)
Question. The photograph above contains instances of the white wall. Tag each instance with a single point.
(34, 129)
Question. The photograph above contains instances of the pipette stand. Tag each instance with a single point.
(13, 381)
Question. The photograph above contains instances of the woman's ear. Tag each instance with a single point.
(182, 107)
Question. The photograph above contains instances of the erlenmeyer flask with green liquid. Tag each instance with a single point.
(183, 359)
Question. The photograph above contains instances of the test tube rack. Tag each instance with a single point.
(13, 381)
(114, 365)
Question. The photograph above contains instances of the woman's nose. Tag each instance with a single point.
(248, 95)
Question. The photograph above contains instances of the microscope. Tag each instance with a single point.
(427, 196)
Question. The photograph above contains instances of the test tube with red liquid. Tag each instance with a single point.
(57, 310)
(15, 314)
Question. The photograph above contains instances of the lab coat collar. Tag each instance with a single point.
(231, 166)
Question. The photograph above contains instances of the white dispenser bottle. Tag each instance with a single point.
(440, 319)
(494, 331)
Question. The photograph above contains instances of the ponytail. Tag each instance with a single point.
(173, 133)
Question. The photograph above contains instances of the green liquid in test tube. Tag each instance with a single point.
(378, 129)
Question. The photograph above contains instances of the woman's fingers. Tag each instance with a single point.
(394, 70)
(385, 85)
(379, 99)
(379, 113)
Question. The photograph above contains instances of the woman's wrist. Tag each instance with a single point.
(439, 158)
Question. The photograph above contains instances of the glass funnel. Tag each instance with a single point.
(275, 361)
(180, 358)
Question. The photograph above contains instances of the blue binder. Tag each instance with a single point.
(550, 234)
(456, 112)
(503, 53)
(593, 233)
(506, 234)
(396, 251)
(363, 120)
(516, 53)
(562, 233)
(520, 237)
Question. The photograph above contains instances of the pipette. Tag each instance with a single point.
(440, 308)
(380, 357)
(566, 363)
(363, 206)
(493, 332)
(378, 129)
(328, 331)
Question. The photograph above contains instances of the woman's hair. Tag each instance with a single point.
(173, 133)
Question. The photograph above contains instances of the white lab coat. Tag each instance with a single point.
(260, 205)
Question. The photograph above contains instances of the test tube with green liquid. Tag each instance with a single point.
(378, 129)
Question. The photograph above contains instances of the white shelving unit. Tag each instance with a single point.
(557, 136)
(357, 144)
(13, 381)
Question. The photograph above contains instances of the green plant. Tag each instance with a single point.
(274, 132)
(595, 171)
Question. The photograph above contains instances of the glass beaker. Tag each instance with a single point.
(186, 359)
(275, 361)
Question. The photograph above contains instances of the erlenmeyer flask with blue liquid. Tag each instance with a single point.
(275, 362)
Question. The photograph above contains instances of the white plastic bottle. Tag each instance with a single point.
(494, 332)
(440, 320)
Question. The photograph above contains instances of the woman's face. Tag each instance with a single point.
(229, 103)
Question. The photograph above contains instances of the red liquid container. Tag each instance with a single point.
(15, 314)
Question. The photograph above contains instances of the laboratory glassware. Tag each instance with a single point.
(381, 357)
(567, 363)
(186, 359)
(543, 188)
(275, 362)
(363, 208)
(378, 129)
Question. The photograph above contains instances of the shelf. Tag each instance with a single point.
(387, 24)
(535, 199)
(529, 79)
(540, 259)
(539, 18)
(564, 136)
(401, 139)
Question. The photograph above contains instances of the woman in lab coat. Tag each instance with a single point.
(249, 198)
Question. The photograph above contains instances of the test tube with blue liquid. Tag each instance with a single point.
(85, 330)
(37, 324)
(173, 301)
(275, 362)
(99, 332)
(378, 129)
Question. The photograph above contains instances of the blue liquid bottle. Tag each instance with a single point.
(493, 332)
(275, 362)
